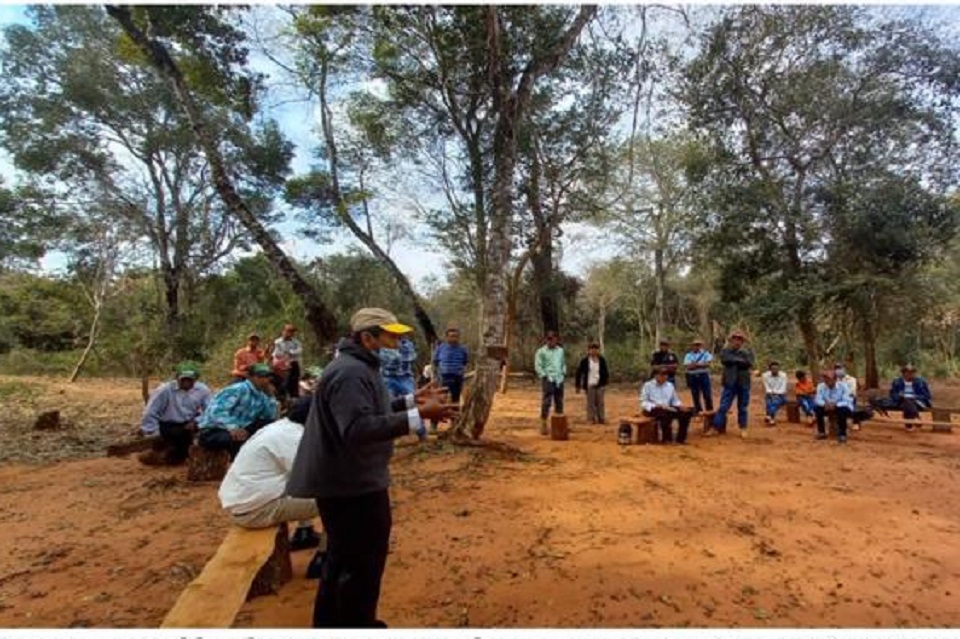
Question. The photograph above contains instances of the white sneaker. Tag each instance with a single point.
(743, 433)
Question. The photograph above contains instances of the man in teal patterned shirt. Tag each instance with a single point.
(237, 412)
(551, 368)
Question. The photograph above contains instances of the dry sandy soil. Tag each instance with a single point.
(777, 530)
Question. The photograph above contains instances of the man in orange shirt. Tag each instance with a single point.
(246, 357)
(805, 392)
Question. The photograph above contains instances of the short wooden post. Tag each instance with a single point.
(277, 571)
(559, 428)
(793, 411)
(646, 430)
(204, 464)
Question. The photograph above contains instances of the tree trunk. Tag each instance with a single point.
(319, 317)
(509, 107)
(91, 340)
(811, 343)
(544, 279)
(601, 326)
(871, 372)
(660, 279)
(171, 290)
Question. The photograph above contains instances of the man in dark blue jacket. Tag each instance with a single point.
(737, 366)
(909, 393)
(343, 461)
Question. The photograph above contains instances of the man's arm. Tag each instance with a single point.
(150, 425)
(820, 399)
(538, 365)
(353, 412)
(646, 398)
(581, 374)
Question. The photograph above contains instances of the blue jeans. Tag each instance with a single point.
(699, 385)
(806, 403)
(552, 394)
(774, 402)
(727, 395)
(399, 386)
(454, 385)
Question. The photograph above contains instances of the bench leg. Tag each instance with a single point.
(277, 570)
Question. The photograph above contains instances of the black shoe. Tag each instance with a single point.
(304, 538)
(316, 565)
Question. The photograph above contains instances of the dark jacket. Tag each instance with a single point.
(921, 390)
(736, 366)
(348, 438)
(583, 370)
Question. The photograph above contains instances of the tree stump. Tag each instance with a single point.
(49, 420)
(646, 429)
(793, 412)
(559, 428)
(207, 465)
(277, 570)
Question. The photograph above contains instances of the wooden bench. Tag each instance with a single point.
(248, 563)
(644, 429)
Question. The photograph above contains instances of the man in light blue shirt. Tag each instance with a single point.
(659, 400)
(696, 363)
(172, 413)
(833, 399)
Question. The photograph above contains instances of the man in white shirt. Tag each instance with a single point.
(659, 400)
(775, 387)
(253, 491)
(287, 351)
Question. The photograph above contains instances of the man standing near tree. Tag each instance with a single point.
(343, 463)
(551, 367)
(592, 377)
(246, 357)
(450, 363)
(737, 364)
(287, 351)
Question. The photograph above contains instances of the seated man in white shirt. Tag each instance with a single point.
(659, 400)
(834, 399)
(775, 389)
(253, 491)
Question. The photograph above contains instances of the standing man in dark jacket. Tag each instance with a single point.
(592, 376)
(342, 462)
(737, 363)
(666, 360)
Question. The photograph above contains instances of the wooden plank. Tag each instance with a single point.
(134, 446)
(937, 426)
(213, 599)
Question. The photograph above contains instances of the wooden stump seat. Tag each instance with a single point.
(559, 428)
(793, 411)
(248, 563)
(644, 428)
(204, 464)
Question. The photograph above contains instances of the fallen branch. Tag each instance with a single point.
(135, 446)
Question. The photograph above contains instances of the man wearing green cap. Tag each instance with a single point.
(238, 411)
(172, 411)
(343, 461)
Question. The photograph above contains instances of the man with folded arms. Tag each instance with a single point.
(343, 463)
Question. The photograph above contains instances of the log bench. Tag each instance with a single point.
(248, 563)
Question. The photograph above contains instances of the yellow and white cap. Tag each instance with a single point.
(377, 317)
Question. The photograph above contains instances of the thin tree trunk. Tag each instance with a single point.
(321, 320)
(601, 326)
(91, 340)
(659, 285)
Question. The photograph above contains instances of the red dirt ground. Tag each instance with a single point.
(774, 531)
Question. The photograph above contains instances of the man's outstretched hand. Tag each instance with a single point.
(436, 411)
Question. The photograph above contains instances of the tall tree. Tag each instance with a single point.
(791, 99)
(209, 43)
(79, 107)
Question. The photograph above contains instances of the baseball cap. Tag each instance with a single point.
(738, 333)
(187, 370)
(259, 370)
(379, 318)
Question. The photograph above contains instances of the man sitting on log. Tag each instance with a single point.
(659, 400)
(237, 412)
(775, 389)
(909, 393)
(171, 412)
(254, 489)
